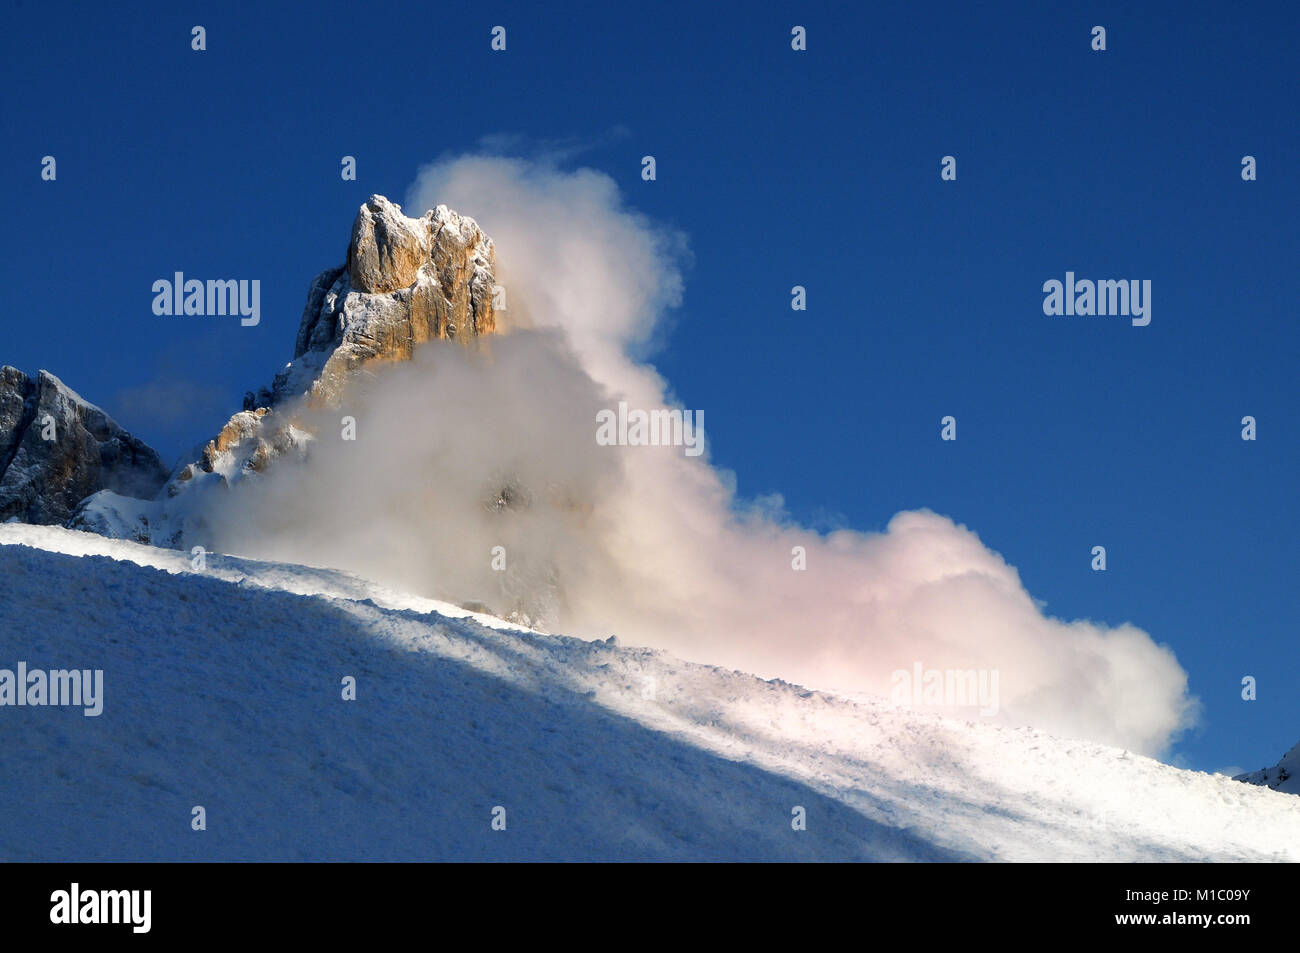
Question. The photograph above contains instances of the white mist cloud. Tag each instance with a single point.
(466, 449)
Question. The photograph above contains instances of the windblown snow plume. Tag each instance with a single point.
(476, 476)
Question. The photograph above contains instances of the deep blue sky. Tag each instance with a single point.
(818, 168)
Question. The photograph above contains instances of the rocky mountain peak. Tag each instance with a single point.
(405, 281)
(56, 449)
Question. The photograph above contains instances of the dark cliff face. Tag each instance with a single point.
(56, 449)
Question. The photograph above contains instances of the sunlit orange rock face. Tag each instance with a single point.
(405, 281)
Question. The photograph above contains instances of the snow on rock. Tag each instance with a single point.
(222, 689)
(1283, 776)
(406, 281)
(56, 449)
(119, 517)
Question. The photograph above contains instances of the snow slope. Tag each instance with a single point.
(223, 690)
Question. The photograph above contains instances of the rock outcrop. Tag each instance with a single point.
(1283, 776)
(405, 281)
(56, 449)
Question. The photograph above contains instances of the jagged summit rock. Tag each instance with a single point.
(405, 281)
(387, 248)
(56, 449)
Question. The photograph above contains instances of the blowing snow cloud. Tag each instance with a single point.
(476, 476)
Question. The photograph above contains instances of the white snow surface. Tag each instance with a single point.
(223, 689)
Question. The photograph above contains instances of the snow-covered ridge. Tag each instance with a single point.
(297, 579)
(222, 689)
(1283, 776)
